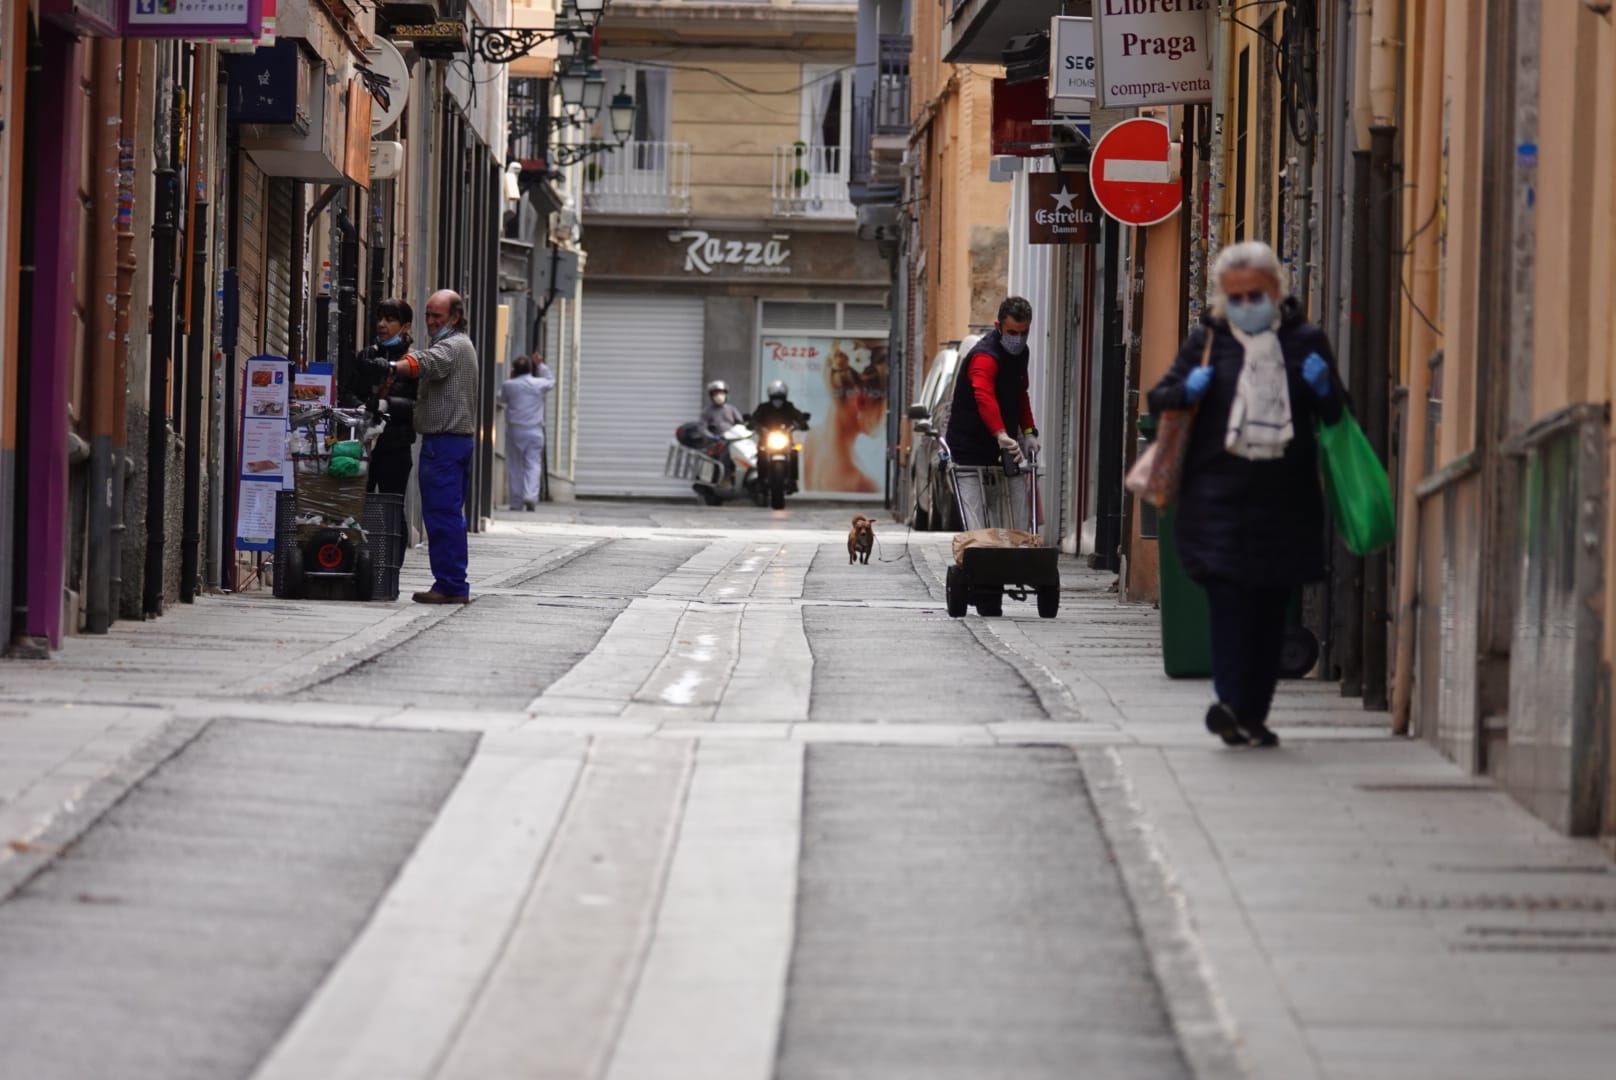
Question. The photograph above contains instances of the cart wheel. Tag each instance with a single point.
(990, 602)
(290, 573)
(364, 575)
(954, 592)
(1300, 654)
(1048, 601)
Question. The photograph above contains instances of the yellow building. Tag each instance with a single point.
(1505, 634)
(722, 242)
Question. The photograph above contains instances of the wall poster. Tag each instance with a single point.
(265, 390)
(841, 380)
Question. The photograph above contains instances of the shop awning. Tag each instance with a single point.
(975, 32)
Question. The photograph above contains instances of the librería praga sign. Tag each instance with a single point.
(1154, 52)
(705, 253)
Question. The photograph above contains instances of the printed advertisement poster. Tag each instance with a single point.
(314, 386)
(266, 388)
(255, 514)
(842, 383)
(263, 447)
(265, 391)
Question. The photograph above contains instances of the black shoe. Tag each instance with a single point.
(1222, 722)
(1259, 734)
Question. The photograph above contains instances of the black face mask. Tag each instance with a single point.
(778, 402)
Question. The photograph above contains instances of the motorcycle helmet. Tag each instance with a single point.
(778, 394)
(718, 391)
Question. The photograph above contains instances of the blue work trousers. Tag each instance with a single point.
(445, 478)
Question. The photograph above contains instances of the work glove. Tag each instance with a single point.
(1196, 385)
(1316, 373)
(1029, 445)
(1008, 444)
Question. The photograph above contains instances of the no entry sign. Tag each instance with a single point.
(1135, 172)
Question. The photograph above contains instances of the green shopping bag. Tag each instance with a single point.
(1359, 489)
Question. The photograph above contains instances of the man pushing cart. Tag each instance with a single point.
(995, 475)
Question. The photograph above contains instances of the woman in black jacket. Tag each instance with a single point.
(370, 374)
(1250, 524)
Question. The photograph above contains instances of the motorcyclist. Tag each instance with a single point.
(778, 411)
(719, 415)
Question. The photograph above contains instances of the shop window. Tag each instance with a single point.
(836, 362)
(866, 317)
(788, 316)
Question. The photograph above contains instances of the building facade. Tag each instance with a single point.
(175, 204)
(722, 244)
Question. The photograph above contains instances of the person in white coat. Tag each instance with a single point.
(523, 395)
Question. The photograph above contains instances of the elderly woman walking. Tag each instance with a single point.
(1250, 505)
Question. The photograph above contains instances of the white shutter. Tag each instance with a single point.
(639, 378)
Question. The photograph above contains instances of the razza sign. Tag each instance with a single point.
(705, 253)
(1154, 52)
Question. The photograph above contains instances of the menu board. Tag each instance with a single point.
(265, 392)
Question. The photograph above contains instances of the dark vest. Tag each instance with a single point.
(969, 439)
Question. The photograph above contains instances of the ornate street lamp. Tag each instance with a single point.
(587, 11)
(503, 44)
(594, 95)
(622, 118)
(571, 84)
(622, 111)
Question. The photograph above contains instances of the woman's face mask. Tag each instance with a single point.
(719, 397)
(1251, 316)
(394, 340)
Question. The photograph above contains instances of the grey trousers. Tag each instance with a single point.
(989, 499)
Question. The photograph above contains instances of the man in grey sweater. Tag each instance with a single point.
(446, 419)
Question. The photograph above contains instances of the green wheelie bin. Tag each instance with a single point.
(1186, 620)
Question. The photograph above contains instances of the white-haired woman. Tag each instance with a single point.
(1250, 524)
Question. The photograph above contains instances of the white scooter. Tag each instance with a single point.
(739, 449)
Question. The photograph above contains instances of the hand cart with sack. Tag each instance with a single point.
(999, 554)
(332, 540)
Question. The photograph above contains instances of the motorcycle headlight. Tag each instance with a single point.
(777, 440)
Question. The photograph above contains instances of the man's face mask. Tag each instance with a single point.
(719, 397)
(777, 401)
(443, 331)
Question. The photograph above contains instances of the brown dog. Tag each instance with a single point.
(860, 539)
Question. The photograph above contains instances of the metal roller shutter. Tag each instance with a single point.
(280, 239)
(639, 378)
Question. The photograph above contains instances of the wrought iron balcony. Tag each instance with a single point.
(639, 178)
(811, 181)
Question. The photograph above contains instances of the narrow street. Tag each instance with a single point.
(682, 794)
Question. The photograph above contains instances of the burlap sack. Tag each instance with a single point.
(993, 538)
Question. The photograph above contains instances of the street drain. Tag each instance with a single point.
(1523, 869)
(1538, 939)
(1593, 905)
(1429, 787)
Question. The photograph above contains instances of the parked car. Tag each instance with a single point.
(935, 507)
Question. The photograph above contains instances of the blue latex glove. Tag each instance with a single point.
(1196, 384)
(1316, 373)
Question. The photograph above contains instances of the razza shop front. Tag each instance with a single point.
(666, 311)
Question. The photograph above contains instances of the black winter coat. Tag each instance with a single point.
(364, 380)
(1255, 523)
